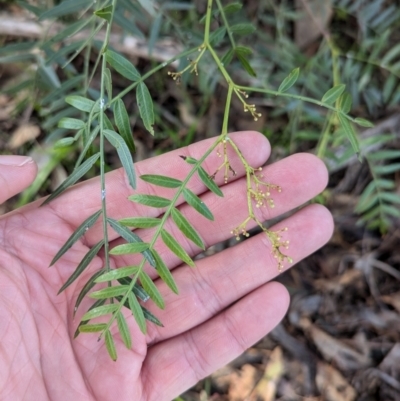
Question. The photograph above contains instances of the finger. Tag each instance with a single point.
(221, 279)
(301, 176)
(16, 173)
(183, 360)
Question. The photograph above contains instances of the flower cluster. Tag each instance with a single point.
(276, 243)
(260, 191)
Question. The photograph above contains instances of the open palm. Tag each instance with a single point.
(225, 304)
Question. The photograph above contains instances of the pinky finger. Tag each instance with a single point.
(184, 360)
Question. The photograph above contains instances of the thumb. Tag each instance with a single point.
(16, 173)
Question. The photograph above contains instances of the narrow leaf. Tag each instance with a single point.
(71, 123)
(150, 200)
(65, 8)
(161, 180)
(140, 222)
(176, 248)
(164, 272)
(124, 155)
(149, 286)
(243, 29)
(74, 177)
(110, 345)
(95, 305)
(349, 131)
(116, 274)
(88, 144)
(76, 235)
(333, 94)
(194, 201)
(82, 265)
(64, 143)
(130, 237)
(109, 292)
(108, 82)
(289, 81)
(187, 229)
(124, 330)
(124, 127)
(92, 328)
(246, 65)
(145, 103)
(150, 317)
(125, 249)
(105, 13)
(363, 122)
(86, 288)
(100, 311)
(82, 103)
(137, 312)
(209, 182)
(122, 65)
(345, 102)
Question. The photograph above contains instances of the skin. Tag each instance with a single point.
(226, 304)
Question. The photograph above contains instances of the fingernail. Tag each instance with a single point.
(15, 161)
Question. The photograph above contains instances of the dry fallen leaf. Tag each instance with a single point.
(242, 383)
(23, 134)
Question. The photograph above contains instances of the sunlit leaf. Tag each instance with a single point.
(124, 330)
(289, 81)
(145, 104)
(92, 328)
(175, 247)
(84, 263)
(137, 312)
(194, 201)
(125, 249)
(161, 180)
(164, 272)
(149, 286)
(74, 177)
(109, 341)
(117, 273)
(122, 121)
(187, 229)
(150, 200)
(333, 94)
(209, 182)
(82, 103)
(124, 155)
(109, 292)
(100, 311)
(76, 235)
(122, 65)
(140, 222)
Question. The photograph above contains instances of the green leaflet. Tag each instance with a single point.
(109, 341)
(108, 82)
(64, 142)
(349, 131)
(245, 64)
(175, 247)
(161, 180)
(150, 317)
(100, 311)
(243, 29)
(194, 201)
(65, 8)
(187, 229)
(87, 287)
(124, 155)
(209, 182)
(125, 249)
(105, 13)
(74, 177)
(137, 312)
(122, 65)
(82, 265)
(145, 103)
(164, 272)
(363, 122)
(124, 330)
(109, 292)
(150, 200)
(289, 81)
(130, 237)
(76, 235)
(124, 126)
(140, 222)
(137, 289)
(71, 123)
(217, 36)
(92, 328)
(82, 103)
(116, 274)
(70, 30)
(151, 289)
(345, 102)
(89, 142)
(95, 305)
(333, 94)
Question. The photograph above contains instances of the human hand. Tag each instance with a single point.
(225, 304)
